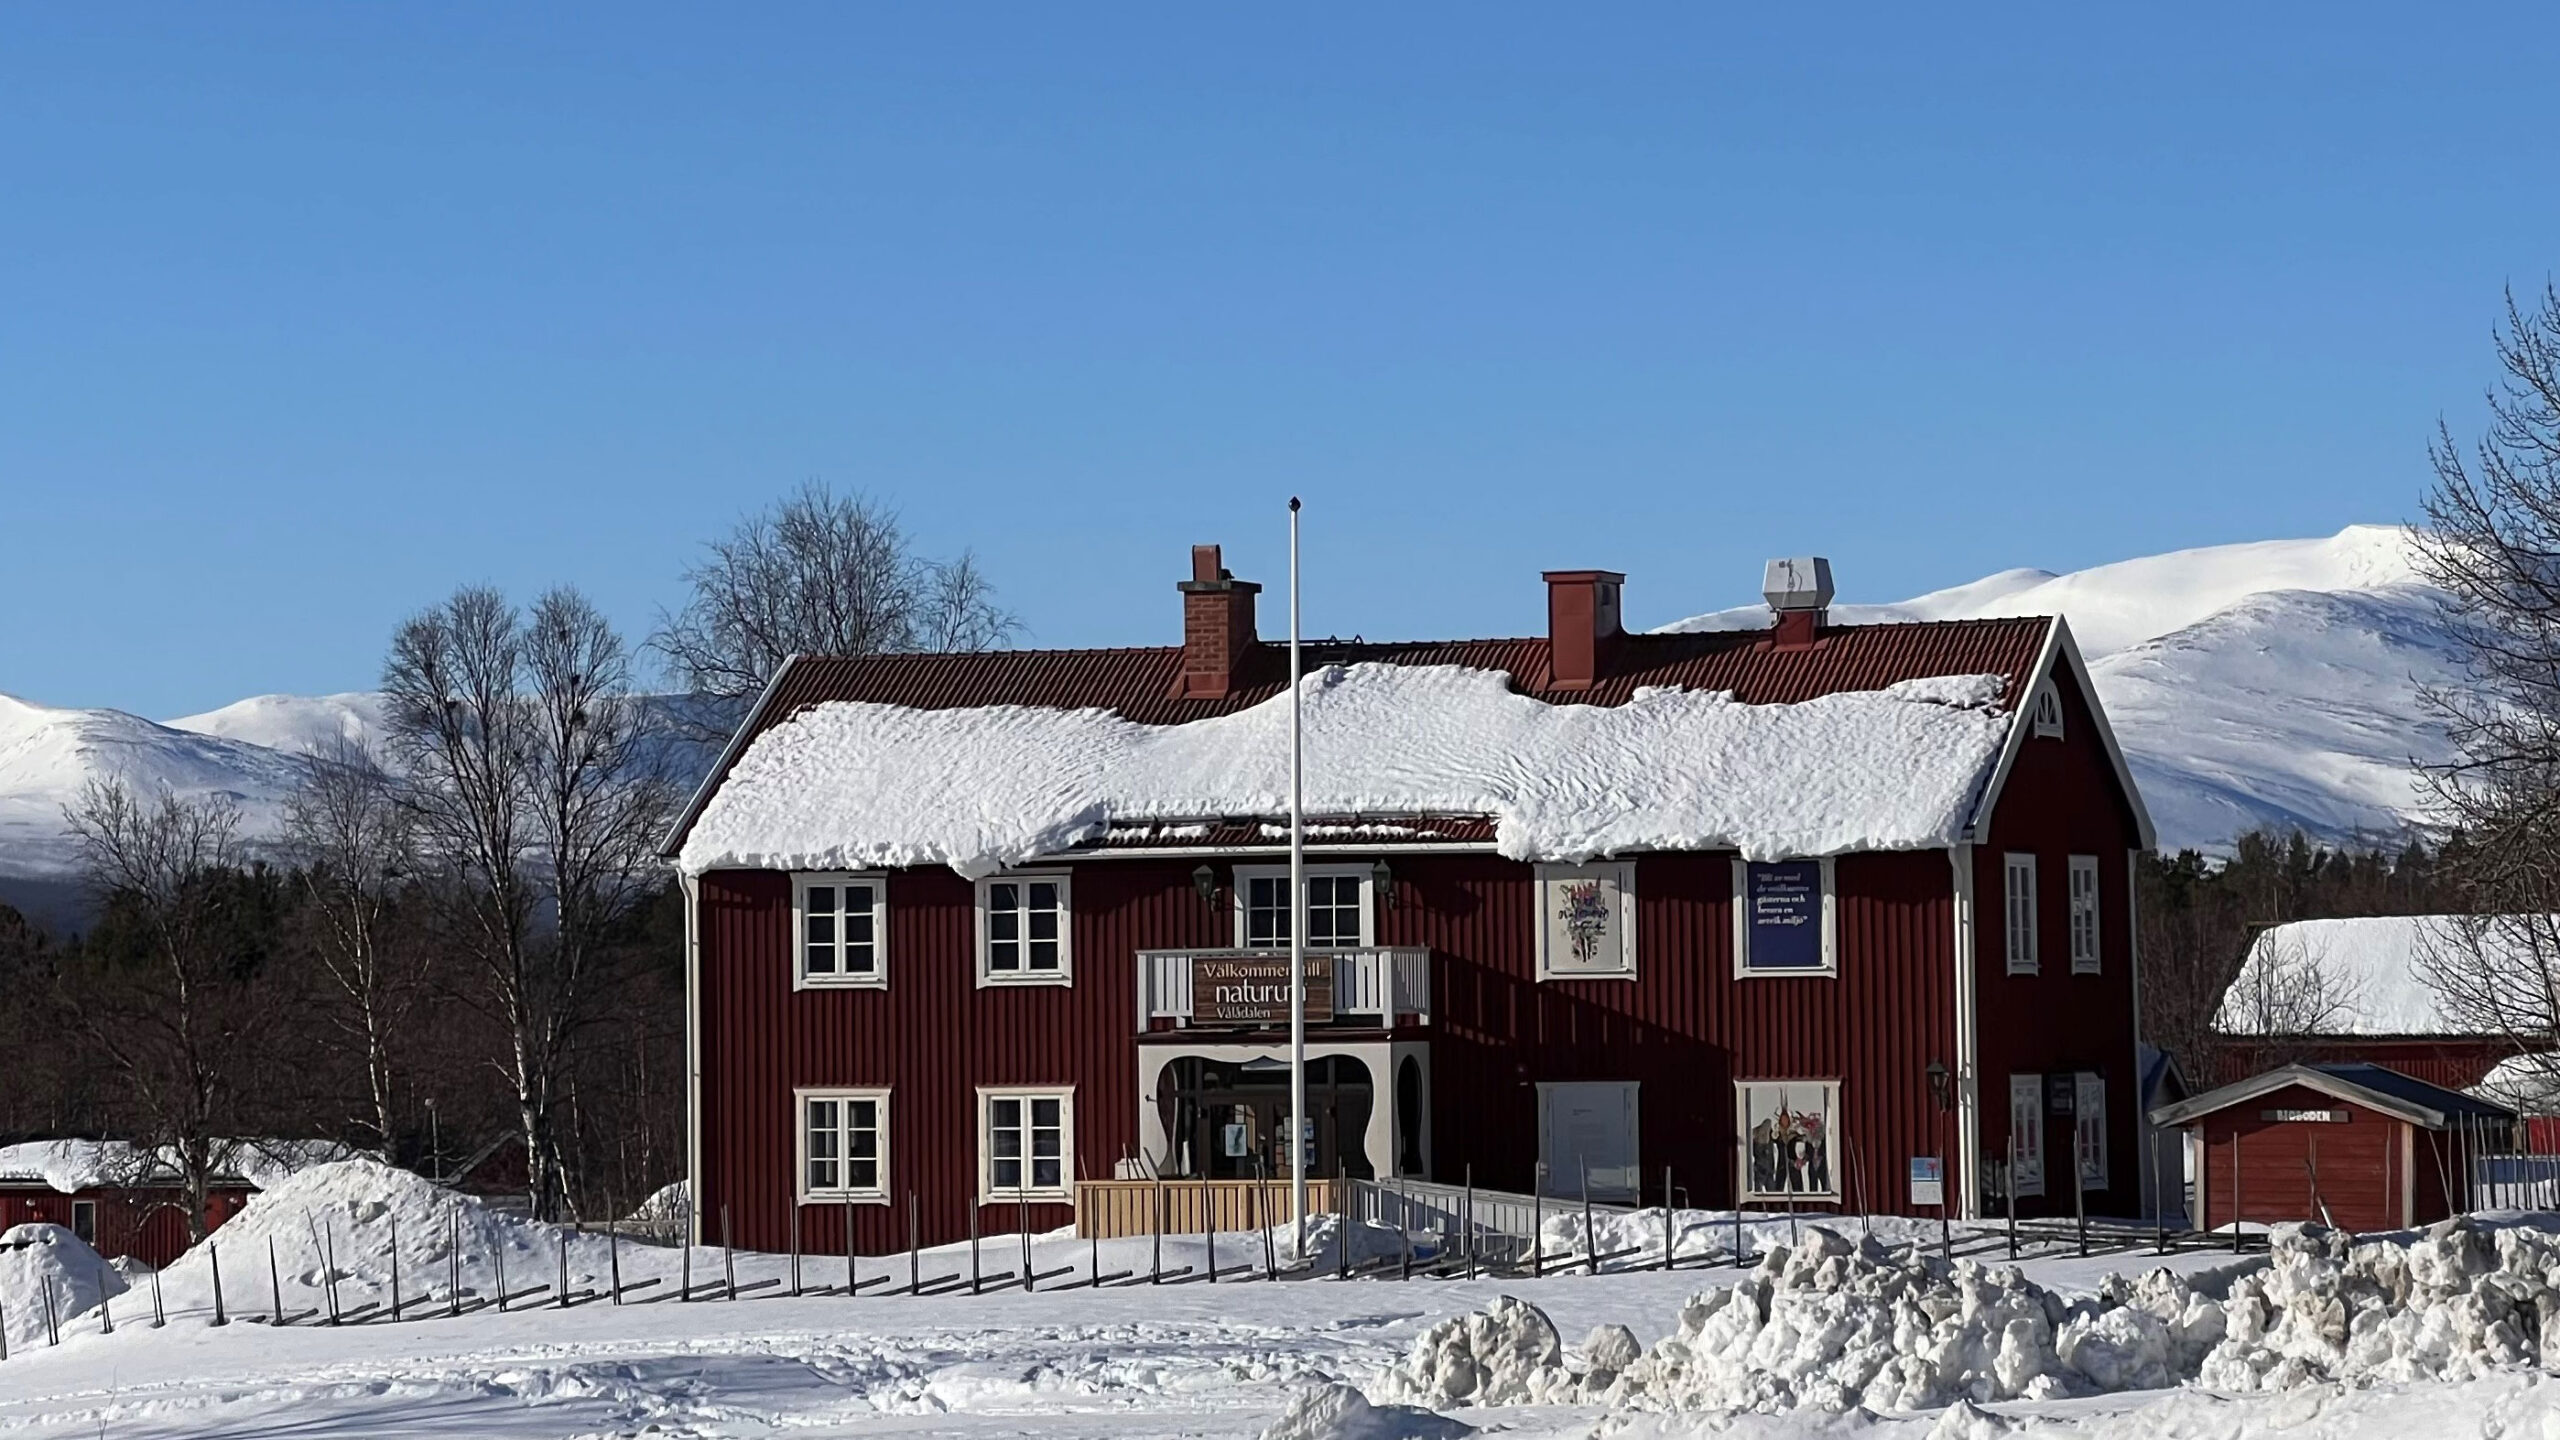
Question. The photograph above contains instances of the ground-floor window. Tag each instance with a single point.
(2026, 1134)
(1025, 1138)
(844, 1145)
(1587, 1132)
(2089, 1128)
(84, 1220)
(1790, 1138)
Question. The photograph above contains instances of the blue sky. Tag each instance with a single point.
(308, 314)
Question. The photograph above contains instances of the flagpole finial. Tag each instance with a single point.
(1293, 503)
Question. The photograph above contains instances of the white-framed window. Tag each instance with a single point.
(1025, 930)
(1338, 907)
(2026, 1134)
(840, 930)
(2089, 1128)
(2019, 891)
(1785, 918)
(84, 1221)
(2084, 914)
(844, 1146)
(2044, 715)
(1587, 1134)
(1026, 1143)
(1790, 1138)
(1586, 921)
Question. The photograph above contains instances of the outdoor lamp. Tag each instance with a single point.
(1382, 883)
(1938, 1085)
(1205, 880)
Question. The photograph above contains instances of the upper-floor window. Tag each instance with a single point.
(844, 1145)
(1024, 931)
(2084, 914)
(1784, 918)
(838, 923)
(2045, 716)
(1338, 906)
(2021, 928)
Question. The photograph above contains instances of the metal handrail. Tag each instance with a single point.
(1391, 981)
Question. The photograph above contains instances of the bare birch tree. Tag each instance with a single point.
(2287, 991)
(530, 771)
(2493, 544)
(166, 991)
(819, 574)
(350, 840)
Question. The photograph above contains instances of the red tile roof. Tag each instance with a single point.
(1140, 684)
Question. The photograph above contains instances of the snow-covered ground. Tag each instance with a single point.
(1239, 1358)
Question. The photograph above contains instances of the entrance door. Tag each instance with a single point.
(1229, 1120)
(1589, 1128)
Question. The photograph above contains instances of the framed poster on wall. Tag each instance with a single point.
(1782, 918)
(1790, 1138)
(1586, 920)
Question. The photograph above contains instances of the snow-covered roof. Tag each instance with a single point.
(2374, 960)
(73, 1165)
(852, 784)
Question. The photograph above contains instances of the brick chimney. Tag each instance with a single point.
(1799, 590)
(1582, 625)
(1217, 627)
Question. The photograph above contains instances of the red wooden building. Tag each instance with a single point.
(101, 1192)
(2353, 1145)
(1772, 1003)
(2390, 1015)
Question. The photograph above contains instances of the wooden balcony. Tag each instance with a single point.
(1113, 1209)
(1381, 985)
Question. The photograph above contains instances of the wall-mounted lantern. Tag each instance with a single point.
(1382, 884)
(1205, 880)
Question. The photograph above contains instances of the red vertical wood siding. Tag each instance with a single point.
(2456, 1062)
(146, 1225)
(2061, 800)
(2356, 1164)
(1685, 1029)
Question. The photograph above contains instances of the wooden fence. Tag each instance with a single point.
(1113, 1209)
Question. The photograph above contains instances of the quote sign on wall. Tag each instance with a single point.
(1782, 901)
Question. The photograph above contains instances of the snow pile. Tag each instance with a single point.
(1339, 1412)
(852, 786)
(1837, 1325)
(41, 1262)
(1636, 1236)
(353, 1221)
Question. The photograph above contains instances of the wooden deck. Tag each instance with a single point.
(1111, 1209)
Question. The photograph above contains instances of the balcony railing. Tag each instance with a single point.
(1381, 984)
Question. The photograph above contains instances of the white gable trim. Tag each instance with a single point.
(2059, 649)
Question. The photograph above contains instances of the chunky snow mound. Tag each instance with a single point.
(41, 1262)
(1836, 1325)
(850, 785)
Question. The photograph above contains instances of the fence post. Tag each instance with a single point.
(2012, 1187)
(106, 1316)
(1667, 1222)
(1741, 1187)
(1538, 1219)
(1467, 1222)
(2159, 1211)
(275, 1285)
(974, 1284)
(1590, 1243)
(1022, 1224)
(498, 1256)
(215, 1251)
(1209, 1228)
(728, 1256)
(564, 1269)
(52, 1331)
(4, 1335)
(2235, 1187)
(159, 1316)
(795, 1251)
(1155, 1267)
(329, 1258)
(851, 1287)
(453, 1260)
(915, 1248)
(613, 1255)
(2079, 1191)
(684, 1259)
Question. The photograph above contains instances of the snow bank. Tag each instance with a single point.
(40, 1261)
(1339, 1412)
(852, 786)
(1837, 1325)
(348, 1221)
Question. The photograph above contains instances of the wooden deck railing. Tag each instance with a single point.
(1113, 1209)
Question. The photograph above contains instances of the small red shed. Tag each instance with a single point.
(119, 1201)
(2358, 1146)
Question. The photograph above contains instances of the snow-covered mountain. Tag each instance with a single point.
(2273, 683)
(48, 756)
(2268, 684)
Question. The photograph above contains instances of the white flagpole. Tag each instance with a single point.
(1297, 914)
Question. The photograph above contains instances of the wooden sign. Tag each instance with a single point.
(2317, 1117)
(1232, 990)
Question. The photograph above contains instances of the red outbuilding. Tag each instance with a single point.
(2354, 1145)
(121, 1203)
(1789, 913)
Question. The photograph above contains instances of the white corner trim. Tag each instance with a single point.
(692, 886)
(1968, 1061)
